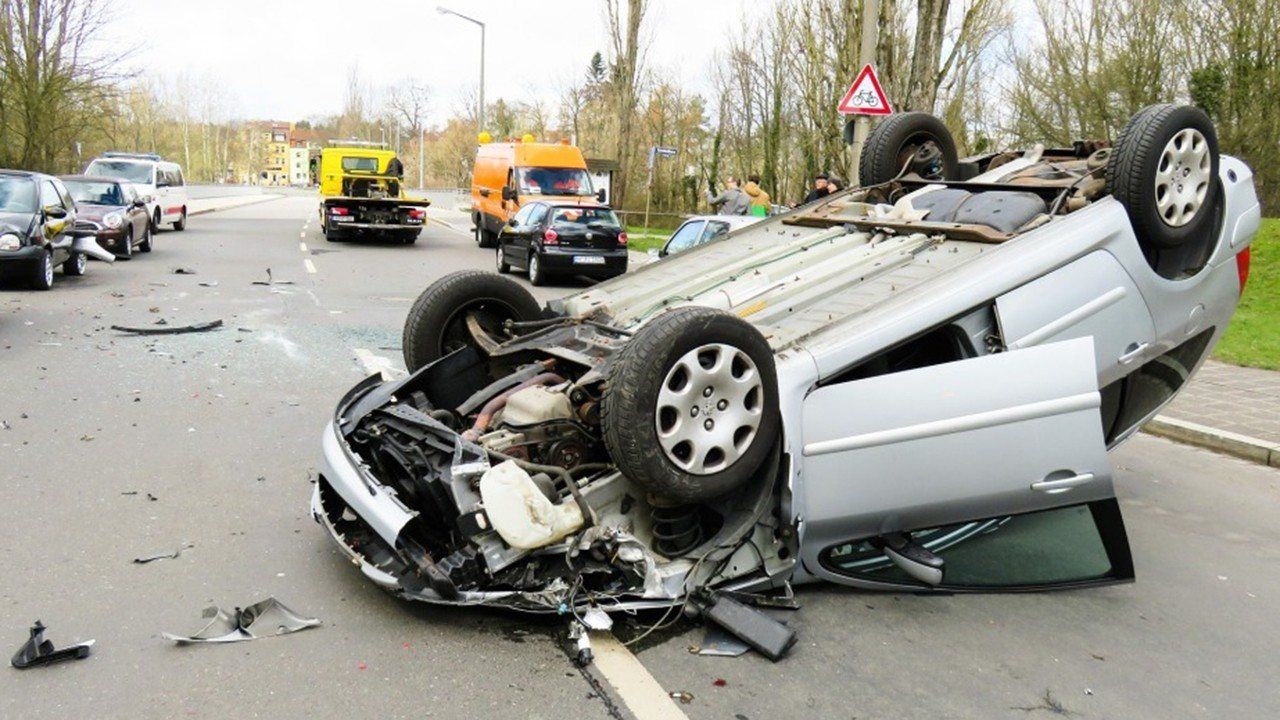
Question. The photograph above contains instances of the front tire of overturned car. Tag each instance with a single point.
(437, 322)
(1164, 171)
(673, 387)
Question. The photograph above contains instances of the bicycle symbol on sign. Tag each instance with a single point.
(866, 98)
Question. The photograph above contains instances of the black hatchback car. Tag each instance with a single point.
(548, 238)
(37, 215)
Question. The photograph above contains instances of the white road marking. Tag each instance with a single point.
(378, 364)
(641, 693)
(311, 267)
(302, 234)
(302, 247)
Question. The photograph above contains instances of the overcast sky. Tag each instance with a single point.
(289, 59)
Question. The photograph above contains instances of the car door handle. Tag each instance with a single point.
(1053, 487)
(1132, 352)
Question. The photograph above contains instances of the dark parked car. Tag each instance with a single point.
(36, 218)
(564, 239)
(111, 211)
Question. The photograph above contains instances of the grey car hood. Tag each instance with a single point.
(17, 223)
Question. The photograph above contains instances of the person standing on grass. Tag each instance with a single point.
(760, 205)
(732, 201)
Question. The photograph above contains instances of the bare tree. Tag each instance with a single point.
(624, 19)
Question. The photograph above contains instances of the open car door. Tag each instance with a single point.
(981, 474)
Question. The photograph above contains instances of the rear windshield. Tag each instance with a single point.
(95, 193)
(360, 164)
(584, 218)
(17, 195)
(555, 181)
(134, 172)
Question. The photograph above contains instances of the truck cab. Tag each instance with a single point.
(362, 194)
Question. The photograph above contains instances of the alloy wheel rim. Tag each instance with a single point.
(709, 408)
(48, 269)
(533, 267)
(1182, 177)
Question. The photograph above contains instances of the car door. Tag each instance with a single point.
(135, 211)
(54, 216)
(532, 230)
(1001, 452)
(514, 234)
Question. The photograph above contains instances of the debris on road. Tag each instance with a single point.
(164, 555)
(209, 283)
(683, 696)
(38, 651)
(271, 281)
(261, 619)
(170, 330)
(183, 271)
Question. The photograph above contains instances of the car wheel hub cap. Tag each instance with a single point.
(48, 269)
(1182, 177)
(709, 408)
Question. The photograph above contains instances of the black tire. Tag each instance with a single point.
(155, 221)
(500, 257)
(41, 277)
(75, 265)
(145, 245)
(126, 252)
(537, 275)
(436, 325)
(409, 238)
(918, 137)
(331, 234)
(486, 239)
(630, 410)
(1137, 157)
(181, 223)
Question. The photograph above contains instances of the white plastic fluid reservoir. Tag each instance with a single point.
(521, 514)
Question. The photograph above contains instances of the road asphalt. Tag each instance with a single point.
(116, 447)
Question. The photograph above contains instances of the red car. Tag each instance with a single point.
(111, 211)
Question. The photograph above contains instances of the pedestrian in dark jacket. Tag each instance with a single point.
(820, 189)
(732, 201)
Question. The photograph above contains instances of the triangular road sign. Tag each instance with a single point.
(865, 96)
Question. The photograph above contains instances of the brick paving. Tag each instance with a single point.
(1236, 399)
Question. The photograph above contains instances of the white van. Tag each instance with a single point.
(159, 182)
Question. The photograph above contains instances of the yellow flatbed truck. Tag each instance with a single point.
(362, 194)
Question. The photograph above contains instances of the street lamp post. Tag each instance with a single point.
(446, 11)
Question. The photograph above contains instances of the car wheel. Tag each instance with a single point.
(126, 252)
(691, 410)
(181, 223)
(1164, 171)
(145, 245)
(485, 238)
(75, 265)
(537, 276)
(155, 221)
(437, 323)
(42, 272)
(503, 266)
(916, 141)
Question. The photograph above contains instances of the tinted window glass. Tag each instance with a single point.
(715, 228)
(1058, 546)
(554, 181)
(578, 218)
(96, 193)
(17, 195)
(538, 215)
(64, 195)
(522, 217)
(134, 172)
(360, 164)
(686, 237)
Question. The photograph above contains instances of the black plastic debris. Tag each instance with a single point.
(183, 271)
(38, 651)
(768, 636)
(143, 560)
(170, 330)
(261, 619)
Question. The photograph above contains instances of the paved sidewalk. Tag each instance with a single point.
(1239, 400)
(202, 205)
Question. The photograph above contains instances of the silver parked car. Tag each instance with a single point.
(911, 385)
(702, 229)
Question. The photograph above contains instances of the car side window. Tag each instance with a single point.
(522, 216)
(178, 179)
(68, 202)
(686, 237)
(49, 195)
(538, 215)
(163, 178)
(715, 228)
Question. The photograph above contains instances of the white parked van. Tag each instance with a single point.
(159, 182)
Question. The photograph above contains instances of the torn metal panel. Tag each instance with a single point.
(261, 619)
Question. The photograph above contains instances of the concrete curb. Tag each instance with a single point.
(1241, 446)
(232, 206)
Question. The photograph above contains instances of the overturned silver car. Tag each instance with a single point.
(912, 385)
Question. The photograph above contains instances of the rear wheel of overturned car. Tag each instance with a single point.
(1164, 171)
(691, 409)
(916, 142)
(447, 314)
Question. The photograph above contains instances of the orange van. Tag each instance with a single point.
(508, 175)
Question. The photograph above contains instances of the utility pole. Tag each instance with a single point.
(867, 56)
(422, 157)
(480, 115)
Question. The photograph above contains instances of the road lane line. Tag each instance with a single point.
(377, 364)
(302, 234)
(311, 267)
(639, 690)
(302, 247)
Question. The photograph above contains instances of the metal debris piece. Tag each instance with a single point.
(164, 555)
(170, 330)
(183, 271)
(261, 619)
(683, 696)
(209, 283)
(38, 651)
(271, 281)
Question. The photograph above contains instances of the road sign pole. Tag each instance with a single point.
(648, 192)
(867, 53)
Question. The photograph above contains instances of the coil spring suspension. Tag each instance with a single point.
(677, 529)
